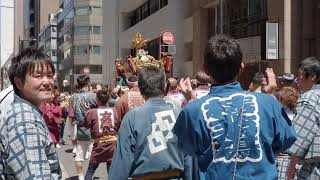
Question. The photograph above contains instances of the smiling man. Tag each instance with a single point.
(26, 150)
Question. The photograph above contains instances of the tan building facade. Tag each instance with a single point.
(299, 30)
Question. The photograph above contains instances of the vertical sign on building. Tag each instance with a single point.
(167, 49)
(272, 41)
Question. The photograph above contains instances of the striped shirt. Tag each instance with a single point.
(26, 150)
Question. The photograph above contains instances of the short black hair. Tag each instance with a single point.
(203, 78)
(103, 95)
(25, 63)
(133, 78)
(83, 80)
(311, 66)
(152, 81)
(222, 57)
(257, 78)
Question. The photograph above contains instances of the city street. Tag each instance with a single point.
(166, 89)
(67, 162)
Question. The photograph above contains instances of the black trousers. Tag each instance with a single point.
(92, 168)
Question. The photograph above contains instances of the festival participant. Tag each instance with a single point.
(255, 85)
(129, 99)
(307, 121)
(285, 80)
(233, 133)
(81, 103)
(26, 149)
(173, 92)
(289, 99)
(114, 97)
(203, 84)
(53, 113)
(104, 125)
(146, 147)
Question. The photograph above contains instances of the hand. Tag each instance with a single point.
(62, 120)
(186, 89)
(269, 84)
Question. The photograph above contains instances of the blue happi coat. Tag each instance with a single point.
(209, 129)
(146, 143)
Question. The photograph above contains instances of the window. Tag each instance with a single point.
(153, 48)
(153, 6)
(96, 29)
(163, 3)
(244, 18)
(67, 53)
(82, 49)
(53, 52)
(138, 15)
(132, 18)
(144, 10)
(47, 44)
(95, 49)
(83, 11)
(82, 30)
(96, 69)
(78, 69)
(96, 10)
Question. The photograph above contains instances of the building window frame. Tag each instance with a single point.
(145, 10)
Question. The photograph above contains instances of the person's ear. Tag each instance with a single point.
(241, 68)
(19, 83)
(314, 78)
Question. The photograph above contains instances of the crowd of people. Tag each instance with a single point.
(159, 127)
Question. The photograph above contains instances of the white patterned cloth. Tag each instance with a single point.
(26, 149)
(307, 126)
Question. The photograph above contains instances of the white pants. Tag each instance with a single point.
(83, 147)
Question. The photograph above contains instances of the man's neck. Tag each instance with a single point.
(85, 89)
(215, 83)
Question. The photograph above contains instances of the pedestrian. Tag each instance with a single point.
(146, 147)
(104, 125)
(26, 149)
(307, 121)
(81, 103)
(72, 125)
(233, 133)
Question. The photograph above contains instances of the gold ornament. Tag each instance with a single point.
(138, 42)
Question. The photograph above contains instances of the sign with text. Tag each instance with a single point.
(272, 41)
(168, 38)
